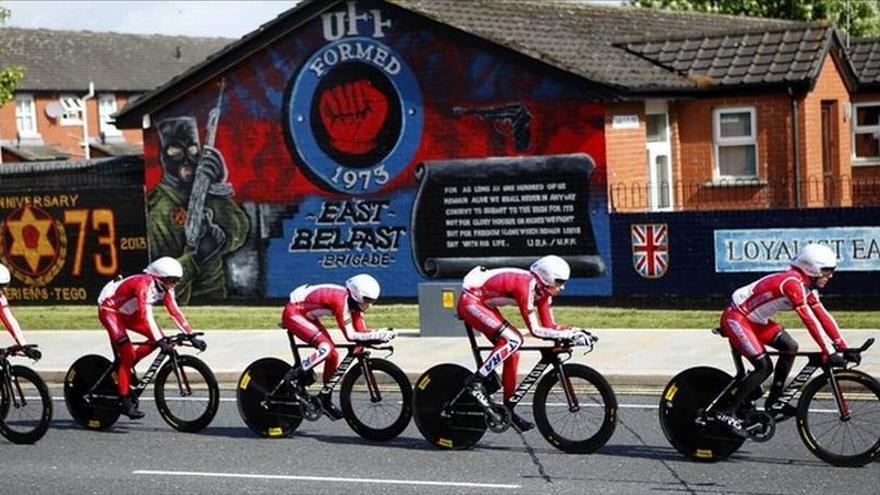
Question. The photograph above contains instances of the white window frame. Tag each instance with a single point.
(71, 110)
(106, 107)
(863, 129)
(719, 142)
(26, 108)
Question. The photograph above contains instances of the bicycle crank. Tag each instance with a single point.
(498, 418)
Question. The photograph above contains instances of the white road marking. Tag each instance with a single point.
(323, 478)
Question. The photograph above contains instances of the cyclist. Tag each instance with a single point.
(301, 318)
(748, 326)
(9, 319)
(484, 291)
(128, 305)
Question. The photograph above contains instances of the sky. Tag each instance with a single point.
(227, 19)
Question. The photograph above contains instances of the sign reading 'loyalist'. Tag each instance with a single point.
(468, 211)
(63, 246)
(765, 250)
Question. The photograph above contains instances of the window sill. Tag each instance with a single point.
(865, 163)
(71, 123)
(743, 182)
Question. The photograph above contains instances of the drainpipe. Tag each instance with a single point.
(796, 174)
(85, 99)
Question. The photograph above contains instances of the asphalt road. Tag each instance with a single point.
(324, 457)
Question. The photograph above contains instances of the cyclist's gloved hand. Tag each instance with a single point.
(836, 360)
(853, 357)
(386, 335)
(32, 353)
(199, 344)
(165, 344)
(580, 337)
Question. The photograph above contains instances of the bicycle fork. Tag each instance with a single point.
(13, 388)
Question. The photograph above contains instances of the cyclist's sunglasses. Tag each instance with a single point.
(171, 280)
(559, 282)
(828, 270)
(368, 300)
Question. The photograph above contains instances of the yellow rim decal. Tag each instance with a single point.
(670, 392)
(94, 423)
(71, 374)
(275, 432)
(445, 442)
(806, 437)
(245, 379)
(115, 377)
(424, 383)
(703, 453)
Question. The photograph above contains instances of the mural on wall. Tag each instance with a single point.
(61, 246)
(192, 215)
(373, 140)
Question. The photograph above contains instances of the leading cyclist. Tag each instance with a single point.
(128, 305)
(748, 326)
(9, 319)
(301, 318)
(484, 291)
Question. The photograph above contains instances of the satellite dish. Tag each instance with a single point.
(54, 110)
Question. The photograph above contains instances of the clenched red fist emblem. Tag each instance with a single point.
(353, 114)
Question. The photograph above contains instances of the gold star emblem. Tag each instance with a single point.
(30, 238)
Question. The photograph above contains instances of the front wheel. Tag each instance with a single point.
(188, 399)
(268, 414)
(684, 399)
(377, 405)
(584, 425)
(92, 404)
(850, 438)
(450, 425)
(26, 406)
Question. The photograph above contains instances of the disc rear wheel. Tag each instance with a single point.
(274, 416)
(447, 425)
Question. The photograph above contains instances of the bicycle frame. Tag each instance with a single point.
(814, 362)
(353, 351)
(145, 381)
(550, 356)
(10, 384)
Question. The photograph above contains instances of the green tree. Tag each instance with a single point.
(864, 15)
(9, 76)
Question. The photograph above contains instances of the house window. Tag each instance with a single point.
(71, 110)
(866, 133)
(106, 107)
(25, 115)
(736, 150)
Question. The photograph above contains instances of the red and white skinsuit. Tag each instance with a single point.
(301, 318)
(130, 307)
(10, 321)
(747, 321)
(484, 291)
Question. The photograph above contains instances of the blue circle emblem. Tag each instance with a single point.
(355, 115)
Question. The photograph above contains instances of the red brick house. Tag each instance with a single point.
(45, 120)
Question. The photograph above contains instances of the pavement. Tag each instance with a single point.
(635, 360)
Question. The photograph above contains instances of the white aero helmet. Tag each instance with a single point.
(362, 287)
(165, 267)
(4, 275)
(813, 258)
(552, 270)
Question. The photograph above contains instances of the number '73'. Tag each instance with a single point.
(103, 224)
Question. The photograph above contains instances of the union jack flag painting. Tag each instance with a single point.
(650, 245)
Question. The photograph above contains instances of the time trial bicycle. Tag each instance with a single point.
(574, 406)
(374, 395)
(837, 414)
(25, 403)
(186, 391)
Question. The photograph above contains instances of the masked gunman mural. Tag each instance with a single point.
(192, 214)
(371, 140)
